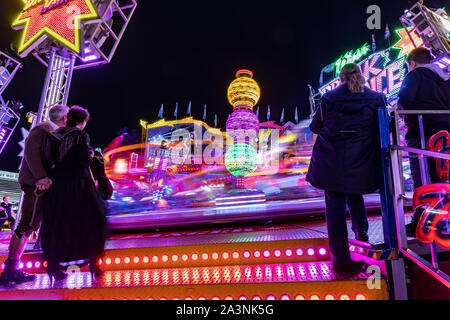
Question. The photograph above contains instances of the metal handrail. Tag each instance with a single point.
(396, 156)
(429, 153)
(423, 111)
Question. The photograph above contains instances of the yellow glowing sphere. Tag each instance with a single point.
(244, 90)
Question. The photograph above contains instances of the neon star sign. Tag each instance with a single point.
(59, 19)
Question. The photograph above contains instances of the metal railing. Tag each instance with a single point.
(399, 191)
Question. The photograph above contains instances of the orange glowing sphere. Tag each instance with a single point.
(244, 90)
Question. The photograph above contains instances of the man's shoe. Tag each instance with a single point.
(412, 226)
(411, 229)
(354, 266)
(362, 236)
(16, 277)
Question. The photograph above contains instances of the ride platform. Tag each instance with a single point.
(284, 262)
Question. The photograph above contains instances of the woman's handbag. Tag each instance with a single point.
(97, 170)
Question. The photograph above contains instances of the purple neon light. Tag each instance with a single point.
(266, 253)
(89, 58)
(322, 251)
(299, 252)
(242, 119)
(310, 251)
(288, 252)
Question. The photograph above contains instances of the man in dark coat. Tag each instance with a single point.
(426, 87)
(344, 161)
(33, 180)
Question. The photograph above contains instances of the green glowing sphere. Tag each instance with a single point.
(241, 159)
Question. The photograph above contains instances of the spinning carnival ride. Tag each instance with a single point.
(153, 189)
(178, 174)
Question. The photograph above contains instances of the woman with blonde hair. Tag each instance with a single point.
(344, 161)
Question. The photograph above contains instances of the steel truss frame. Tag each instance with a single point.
(101, 36)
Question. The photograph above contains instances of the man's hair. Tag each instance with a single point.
(419, 55)
(57, 113)
(76, 116)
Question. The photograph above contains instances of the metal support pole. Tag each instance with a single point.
(397, 172)
(399, 279)
(422, 161)
(386, 189)
(69, 79)
(40, 113)
(388, 198)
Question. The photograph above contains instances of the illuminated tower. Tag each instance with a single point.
(242, 125)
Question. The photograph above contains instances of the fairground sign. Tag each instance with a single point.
(59, 19)
(384, 70)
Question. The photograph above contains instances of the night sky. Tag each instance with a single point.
(176, 51)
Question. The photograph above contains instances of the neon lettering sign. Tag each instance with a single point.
(382, 73)
(384, 70)
(59, 19)
(48, 4)
(52, 4)
(434, 222)
(350, 57)
(440, 142)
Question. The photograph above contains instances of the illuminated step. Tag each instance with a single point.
(288, 281)
(201, 255)
(205, 248)
(217, 254)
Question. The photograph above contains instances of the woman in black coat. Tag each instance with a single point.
(344, 161)
(74, 220)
